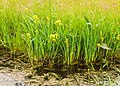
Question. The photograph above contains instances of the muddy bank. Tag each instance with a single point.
(22, 75)
(15, 72)
(14, 77)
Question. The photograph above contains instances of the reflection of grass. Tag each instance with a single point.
(66, 30)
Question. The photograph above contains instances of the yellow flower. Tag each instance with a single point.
(54, 37)
(54, 40)
(66, 41)
(58, 22)
(98, 45)
(102, 38)
(36, 18)
(118, 37)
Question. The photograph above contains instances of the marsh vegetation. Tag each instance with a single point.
(61, 36)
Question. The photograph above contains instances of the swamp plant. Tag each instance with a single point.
(64, 30)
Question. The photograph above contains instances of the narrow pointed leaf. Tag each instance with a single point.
(104, 46)
(87, 20)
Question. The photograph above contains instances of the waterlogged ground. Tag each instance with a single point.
(14, 72)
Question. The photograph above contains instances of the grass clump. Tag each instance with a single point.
(64, 32)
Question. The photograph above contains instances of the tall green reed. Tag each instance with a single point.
(48, 33)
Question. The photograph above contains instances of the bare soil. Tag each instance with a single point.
(16, 72)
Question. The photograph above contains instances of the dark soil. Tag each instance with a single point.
(15, 70)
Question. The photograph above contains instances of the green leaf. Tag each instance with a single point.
(105, 46)
(87, 20)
